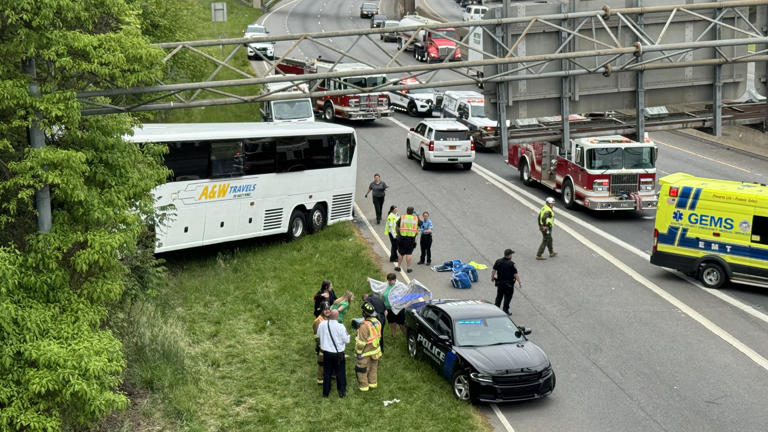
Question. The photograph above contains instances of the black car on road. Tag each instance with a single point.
(477, 346)
(368, 10)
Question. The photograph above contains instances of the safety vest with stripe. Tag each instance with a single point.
(546, 219)
(409, 225)
(368, 338)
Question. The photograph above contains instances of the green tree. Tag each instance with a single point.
(60, 365)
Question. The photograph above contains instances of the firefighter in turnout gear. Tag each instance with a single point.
(367, 349)
(546, 222)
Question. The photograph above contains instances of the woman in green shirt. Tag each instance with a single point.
(342, 304)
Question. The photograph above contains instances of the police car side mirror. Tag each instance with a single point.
(444, 338)
(525, 330)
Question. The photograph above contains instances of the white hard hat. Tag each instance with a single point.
(550, 200)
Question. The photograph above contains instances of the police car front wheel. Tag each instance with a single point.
(460, 383)
(413, 347)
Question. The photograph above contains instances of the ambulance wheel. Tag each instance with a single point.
(423, 161)
(317, 219)
(712, 275)
(328, 112)
(297, 225)
(408, 152)
(525, 173)
(413, 347)
(460, 384)
(568, 198)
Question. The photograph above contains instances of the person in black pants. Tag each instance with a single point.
(333, 340)
(425, 228)
(378, 188)
(381, 312)
(504, 274)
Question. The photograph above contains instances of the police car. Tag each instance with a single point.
(477, 346)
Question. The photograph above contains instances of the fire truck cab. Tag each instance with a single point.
(600, 173)
(358, 106)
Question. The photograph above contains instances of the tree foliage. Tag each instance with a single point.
(60, 366)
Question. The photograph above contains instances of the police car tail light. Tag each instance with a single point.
(673, 191)
(646, 184)
(600, 185)
(431, 146)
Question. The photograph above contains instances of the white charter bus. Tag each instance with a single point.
(233, 181)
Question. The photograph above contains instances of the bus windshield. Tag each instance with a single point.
(609, 158)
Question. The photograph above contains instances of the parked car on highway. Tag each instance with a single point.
(378, 20)
(440, 141)
(267, 49)
(474, 13)
(367, 10)
(473, 343)
(392, 36)
(417, 101)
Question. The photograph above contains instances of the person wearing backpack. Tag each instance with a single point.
(504, 275)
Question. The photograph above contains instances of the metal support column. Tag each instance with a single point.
(37, 141)
(565, 94)
(717, 88)
(640, 86)
(502, 88)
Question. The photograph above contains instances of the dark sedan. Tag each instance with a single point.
(378, 20)
(477, 346)
(368, 10)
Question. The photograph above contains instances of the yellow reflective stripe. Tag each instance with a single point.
(370, 353)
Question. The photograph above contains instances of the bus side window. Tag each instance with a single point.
(188, 161)
(292, 154)
(259, 156)
(342, 149)
(760, 229)
(226, 159)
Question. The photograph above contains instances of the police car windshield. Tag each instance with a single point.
(292, 109)
(617, 158)
(486, 331)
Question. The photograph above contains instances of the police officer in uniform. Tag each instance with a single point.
(504, 274)
(546, 222)
(367, 349)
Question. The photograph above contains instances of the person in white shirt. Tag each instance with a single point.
(333, 338)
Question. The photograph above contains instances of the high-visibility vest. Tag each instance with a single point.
(391, 224)
(374, 337)
(544, 219)
(409, 225)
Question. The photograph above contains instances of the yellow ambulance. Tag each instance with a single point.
(715, 230)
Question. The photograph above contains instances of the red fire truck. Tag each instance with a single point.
(362, 106)
(600, 173)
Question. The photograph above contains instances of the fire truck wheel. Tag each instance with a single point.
(408, 152)
(328, 112)
(712, 275)
(568, 197)
(525, 173)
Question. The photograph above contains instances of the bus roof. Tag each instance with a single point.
(164, 132)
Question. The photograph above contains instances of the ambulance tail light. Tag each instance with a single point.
(674, 191)
(655, 239)
(431, 146)
(600, 185)
(646, 185)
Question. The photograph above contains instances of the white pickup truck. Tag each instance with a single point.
(299, 109)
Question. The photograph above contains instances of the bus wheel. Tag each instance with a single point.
(297, 225)
(525, 173)
(568, 197)
(712, 275)
(317, 219)
(328, 112)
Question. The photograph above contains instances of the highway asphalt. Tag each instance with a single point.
(634, 346)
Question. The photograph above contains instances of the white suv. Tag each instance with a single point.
(267, 49)
(440, 141)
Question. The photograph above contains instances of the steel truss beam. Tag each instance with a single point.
(649, 52)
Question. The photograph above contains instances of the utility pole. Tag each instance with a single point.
(37, 141)
(640, 85)
(502, 88)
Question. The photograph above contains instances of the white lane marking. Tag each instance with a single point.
(502, 419)
(267, 16)
(378, 239)
(684, 308)
(626, 246)
(701, 156)
(512, 190)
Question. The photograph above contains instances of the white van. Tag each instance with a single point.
(474, 13)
